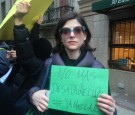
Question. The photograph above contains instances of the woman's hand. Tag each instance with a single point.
(11, 54)
(107, 104)
(22, 8)
(40, 20)
(40, 100)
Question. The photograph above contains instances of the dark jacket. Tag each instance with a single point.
(20, 76)
(4, 62)
(6, 100)
(27, 69)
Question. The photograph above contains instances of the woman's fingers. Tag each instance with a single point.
(23, 7)
(26, 6)
(107, 100)
(40, 109)
(40, 100)
(43, 107)
(107, 111)
(107, 104)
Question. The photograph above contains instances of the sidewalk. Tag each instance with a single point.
(125, 104)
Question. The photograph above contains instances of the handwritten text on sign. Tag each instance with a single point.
(76, 89)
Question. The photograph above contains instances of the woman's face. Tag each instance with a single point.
(72, 35)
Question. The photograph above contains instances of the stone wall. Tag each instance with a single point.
(120, 81)
(99, 26)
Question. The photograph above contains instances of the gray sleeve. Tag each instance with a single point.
(97, 64)
(30, 93)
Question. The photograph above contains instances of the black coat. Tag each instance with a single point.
(22, 77)
(25, 72)
(4, 62)
(30, 61)
(6, 99)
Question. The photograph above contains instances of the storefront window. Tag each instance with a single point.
(122, 45)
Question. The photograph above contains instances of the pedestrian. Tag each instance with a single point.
(72, 49)
(22, 76)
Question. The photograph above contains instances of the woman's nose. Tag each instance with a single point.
(72, 34)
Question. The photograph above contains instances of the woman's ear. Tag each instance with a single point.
(85, 36)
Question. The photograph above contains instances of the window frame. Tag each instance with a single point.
(125, 46)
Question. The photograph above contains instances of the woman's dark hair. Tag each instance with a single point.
(68, 16)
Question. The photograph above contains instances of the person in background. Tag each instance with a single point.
(72, 49)
(35, 31)
(41, 49)
(11, 55)
(4, 68)
(4, 61)
(23, 77)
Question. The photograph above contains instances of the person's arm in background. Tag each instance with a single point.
(24, 51)
(11, 54)
(35, 31)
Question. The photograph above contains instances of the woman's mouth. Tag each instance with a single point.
(72, 42)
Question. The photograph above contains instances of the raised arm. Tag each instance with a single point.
(24, 50)
(35, 31)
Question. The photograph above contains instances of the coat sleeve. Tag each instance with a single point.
(97, 64)
(34, 33)
(25, 53)
(4, 63)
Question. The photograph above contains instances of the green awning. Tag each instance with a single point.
(109, 4)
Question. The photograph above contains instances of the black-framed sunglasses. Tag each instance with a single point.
(76, 30)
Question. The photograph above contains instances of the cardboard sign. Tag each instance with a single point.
(38, 8)
(76, 89)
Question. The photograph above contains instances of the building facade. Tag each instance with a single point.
(112, 24)
(113, 36)
(55, 11)
(5, 6)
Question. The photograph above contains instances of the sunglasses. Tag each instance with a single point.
(76, 30)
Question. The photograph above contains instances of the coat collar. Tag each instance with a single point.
(87, 61)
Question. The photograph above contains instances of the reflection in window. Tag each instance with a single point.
(122, 45)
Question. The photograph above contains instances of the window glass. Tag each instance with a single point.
(123, 45)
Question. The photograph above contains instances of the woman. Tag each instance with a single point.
(72, 49)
